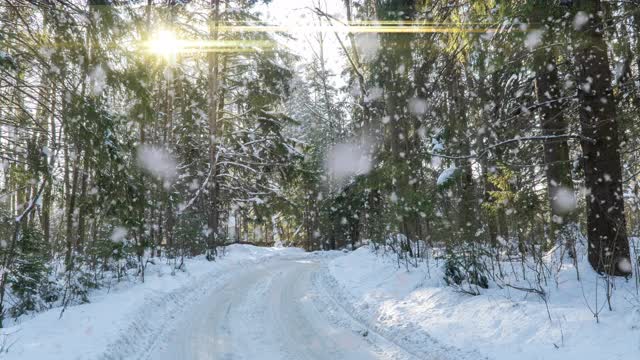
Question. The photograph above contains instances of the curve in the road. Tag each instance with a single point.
(270, 312)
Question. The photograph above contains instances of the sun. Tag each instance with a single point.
(165, 43)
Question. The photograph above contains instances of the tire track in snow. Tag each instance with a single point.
(410, 338)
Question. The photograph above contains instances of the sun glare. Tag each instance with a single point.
(165, 43)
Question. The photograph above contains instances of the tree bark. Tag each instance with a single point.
(608, 244)
(556, 151)
(212, 102)
(71, 202)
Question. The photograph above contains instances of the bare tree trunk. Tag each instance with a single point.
(71, 205)
(608, 244)
(366, 113)
(82, 208)
(556, 151)
(468, 209)
(212, 102)
(47, 197)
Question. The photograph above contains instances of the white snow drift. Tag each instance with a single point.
(501, 323)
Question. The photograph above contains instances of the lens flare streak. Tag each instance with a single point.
(167, 44)
(196, 46)
(357, 29)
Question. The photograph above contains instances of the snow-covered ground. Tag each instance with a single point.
(274, 311)
(126, 320)
(254, 303)
(420, 311)
(268, 303)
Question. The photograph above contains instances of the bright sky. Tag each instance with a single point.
(299, 13)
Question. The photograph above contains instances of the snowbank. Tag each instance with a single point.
(124, 321)
(499, 323)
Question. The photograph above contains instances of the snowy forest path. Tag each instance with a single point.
(272, 311)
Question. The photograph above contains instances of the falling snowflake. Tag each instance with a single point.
(158, 161)
(368, 45)
(534, 39)
(348, 159)
(580, 20)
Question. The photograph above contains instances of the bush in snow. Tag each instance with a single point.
(29, 283)
(462, 268)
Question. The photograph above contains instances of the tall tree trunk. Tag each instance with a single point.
(47, 196)
(357, 69)
(608, 244)
(212, 103)
(556, 151)
(71, 205)
(468, 210)
(82, 206)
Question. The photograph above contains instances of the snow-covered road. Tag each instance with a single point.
(273, 310)
(282, 303)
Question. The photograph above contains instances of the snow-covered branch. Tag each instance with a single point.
(486, 150)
